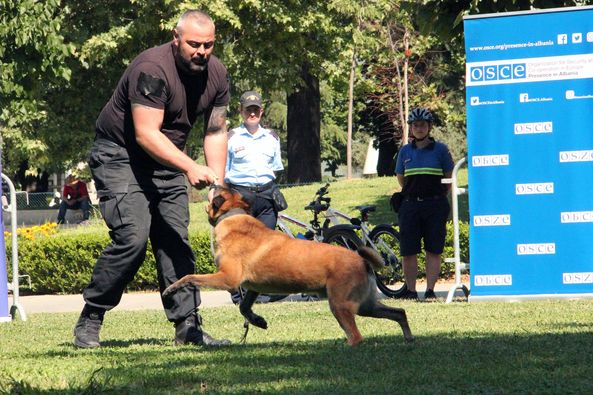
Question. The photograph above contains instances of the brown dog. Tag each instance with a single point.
(262, 260)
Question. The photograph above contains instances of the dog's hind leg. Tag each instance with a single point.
(247, 312)
(345, 316)
(373, 308)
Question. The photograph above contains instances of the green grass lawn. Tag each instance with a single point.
(532, 347)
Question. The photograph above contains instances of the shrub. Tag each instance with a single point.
(448, 269)
(63, 264)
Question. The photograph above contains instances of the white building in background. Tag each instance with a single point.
(370, 163)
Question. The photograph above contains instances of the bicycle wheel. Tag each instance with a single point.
(342, 237)
(270, 298)
(238, 296)
(390, 279)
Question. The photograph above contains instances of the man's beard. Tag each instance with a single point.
(197, 66)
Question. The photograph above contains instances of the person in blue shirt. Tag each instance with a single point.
(423, 214)
(253, 159)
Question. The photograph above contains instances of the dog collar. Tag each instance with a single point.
(230, 213)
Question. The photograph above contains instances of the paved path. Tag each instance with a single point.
(152, 301)
(130, 301)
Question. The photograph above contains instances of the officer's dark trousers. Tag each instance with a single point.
(137, 206)
(261, 205)
(263, 209)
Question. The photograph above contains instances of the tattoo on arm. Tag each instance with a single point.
(217, 121)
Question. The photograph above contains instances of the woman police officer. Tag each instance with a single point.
(420, 167)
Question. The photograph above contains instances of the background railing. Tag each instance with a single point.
(33, 200)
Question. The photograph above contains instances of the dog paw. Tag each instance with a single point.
(170, 290)
(410, 339)
(258, 321)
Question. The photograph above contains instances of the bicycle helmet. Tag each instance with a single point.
(420, 114)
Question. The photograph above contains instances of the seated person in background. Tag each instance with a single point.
(5, 193)
(74, 196)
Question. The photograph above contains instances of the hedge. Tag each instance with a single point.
(63, 263)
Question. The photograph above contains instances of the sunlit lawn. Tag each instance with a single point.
(486, 348)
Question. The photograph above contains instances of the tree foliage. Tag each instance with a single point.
(443, 18)
(33, 56)
(60, 61)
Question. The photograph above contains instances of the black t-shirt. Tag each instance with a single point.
(153, 80)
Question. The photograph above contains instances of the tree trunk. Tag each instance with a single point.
(350, 106)
(304, 125)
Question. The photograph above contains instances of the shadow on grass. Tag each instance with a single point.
(516, 363)
(125, 343)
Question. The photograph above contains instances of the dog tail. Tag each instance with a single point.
(371, 257)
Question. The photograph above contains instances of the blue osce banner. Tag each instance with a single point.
(4, 315)
(529, 80)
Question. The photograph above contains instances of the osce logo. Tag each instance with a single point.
(490, 160)
(493, 280)
(534, 189)
(533, 128)
(536, 249)
(577, 278)
(495, 72)
(576, 156)
(492, 220)
(569, 217)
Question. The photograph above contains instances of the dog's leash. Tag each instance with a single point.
(244, 337)
(212, 250)
(246, 323)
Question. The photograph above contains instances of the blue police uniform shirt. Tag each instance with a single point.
(252, 158)
(423, 168)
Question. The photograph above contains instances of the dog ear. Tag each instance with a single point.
(217, 202)
(240, 202)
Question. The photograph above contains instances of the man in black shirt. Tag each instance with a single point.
(140, 172)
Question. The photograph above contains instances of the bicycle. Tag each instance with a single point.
(382, 238)
(343, 235)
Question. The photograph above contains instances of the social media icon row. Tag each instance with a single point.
(575, 38)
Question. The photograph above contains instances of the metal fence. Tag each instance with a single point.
(33, 200)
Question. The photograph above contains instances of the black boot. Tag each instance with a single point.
(189, 331)
(86, 331)
(430, 295)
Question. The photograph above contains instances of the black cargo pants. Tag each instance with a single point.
(260, 203)
(138, 205)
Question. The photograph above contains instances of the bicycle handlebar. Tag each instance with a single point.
(317, 207)
(320, 203)
(323, 190)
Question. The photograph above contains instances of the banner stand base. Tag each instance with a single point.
(21, 312)
(454, 288)
(526, 298)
